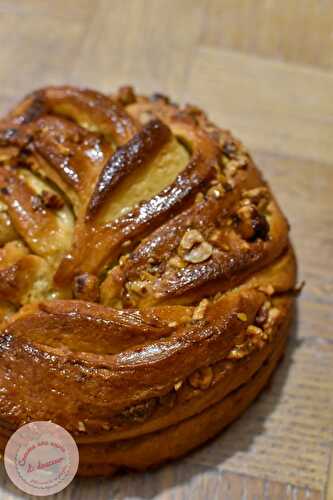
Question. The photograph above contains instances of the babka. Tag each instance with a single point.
(147, 279)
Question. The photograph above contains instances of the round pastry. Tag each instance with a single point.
(146, 275)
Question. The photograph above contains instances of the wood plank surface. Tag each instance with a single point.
(293, 30)
(264, 69)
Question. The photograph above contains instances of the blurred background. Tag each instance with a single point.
(264, 69)
(249, 62)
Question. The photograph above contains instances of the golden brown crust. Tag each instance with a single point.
(146, 275)
(141, 149)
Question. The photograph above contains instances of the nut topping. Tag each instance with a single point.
(273, 314)
(216, 191)
(51, 200)
(160, 245)
(126, 95)
(138, 287)
(190, 238)
(242, 316)
(259, 196)
(85, 287)
(251, 224)
(200, 310)
(172, 324)
(202, 378)
(199, 249)
(178, 385)
(254, 330)
(81, 427)
(199, 198)
(268, 289)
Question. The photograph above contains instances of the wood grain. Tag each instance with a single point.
(293, 31)
(262, 68)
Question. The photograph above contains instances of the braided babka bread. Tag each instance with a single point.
(146, 275)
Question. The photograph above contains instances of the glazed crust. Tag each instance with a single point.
(147, 277)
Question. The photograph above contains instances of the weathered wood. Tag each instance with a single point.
(275, 107)
(294, 31)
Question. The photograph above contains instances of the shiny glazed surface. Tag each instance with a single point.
(146, 271)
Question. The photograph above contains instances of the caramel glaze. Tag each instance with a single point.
(138, 151)
(125, 317)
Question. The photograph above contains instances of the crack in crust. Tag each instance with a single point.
(145, 273)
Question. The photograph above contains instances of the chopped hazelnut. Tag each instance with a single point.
(52, 200)
(202, 378)
(64, 150)
(268, 289)
(199, 249)
(157, 96)
(190, 238)
(86, 287)
(138, 287)
(176, 262)
(178, 385)
(81, 427)
(146, 116)
(215, 235)
(126, 244)
(254, 330)
(193, 110)
(242, 316)
(251, 224)
(199, 253)
(216, 191)
(273, 314)
(199, 198)
(200, 310)
(123, 259)
(229, 149)
(259, 196)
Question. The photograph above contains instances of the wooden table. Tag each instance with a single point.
(264, 69)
